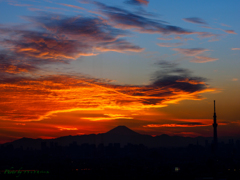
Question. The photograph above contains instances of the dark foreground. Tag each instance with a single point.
(115, 162)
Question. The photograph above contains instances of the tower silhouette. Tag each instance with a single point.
(215, 139)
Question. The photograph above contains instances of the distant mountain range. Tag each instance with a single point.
(119, 134)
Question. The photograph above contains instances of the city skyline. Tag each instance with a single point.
(84, 67)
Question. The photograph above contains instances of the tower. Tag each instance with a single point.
(215, 140)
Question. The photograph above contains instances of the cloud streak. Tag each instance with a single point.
(124, 19)
(195, 52)
(190, 51)
(234, 49)
(203, 59)
(186, 123)
(230, 31)
(177, 125)
(72, 6)
(137, 2)
(195, 20)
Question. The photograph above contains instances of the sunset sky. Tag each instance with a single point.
(84, 67)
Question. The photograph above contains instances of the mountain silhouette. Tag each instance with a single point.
(122, 130)
(120, 134)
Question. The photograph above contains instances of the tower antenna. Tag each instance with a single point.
(215, 139)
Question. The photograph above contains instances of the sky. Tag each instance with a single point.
(84, 67)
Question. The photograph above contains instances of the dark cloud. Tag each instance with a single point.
(93, 33)
(195, 20)
(14, 64)
(58, 39)
(179, 83)
(179, 79)
(79, 27)
(170, 83)
(119, 46)
(145, 23)
(127, 20)
(137, 2)
(46, 46)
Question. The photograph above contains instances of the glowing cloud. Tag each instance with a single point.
(108, 117)
(67, 128)
(176, 125)
(186, 123)
(230, 31)
(190, 81)
(39, 98)
(195, 52)
(72, 6)
(203, 59)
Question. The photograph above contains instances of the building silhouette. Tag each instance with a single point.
(215, 139)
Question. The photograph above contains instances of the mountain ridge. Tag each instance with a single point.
(120, 134)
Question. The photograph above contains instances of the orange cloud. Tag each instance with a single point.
(12, 69)
(50, 48)
(230, 31)
(187, 123)
(72, 6)
(234, 79)
(174, 125)
(190, 81)
(196, 53)
(108, 117)
(203, 59)
(118, 116)
(67, 128)
(36, 99)
(201, 121)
